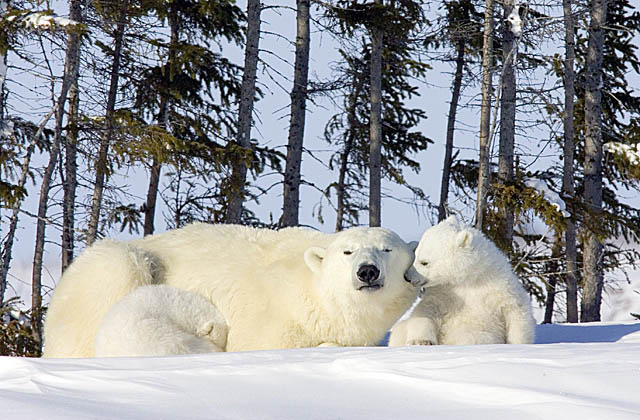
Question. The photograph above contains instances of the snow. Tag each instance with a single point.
(43, 20)
(630, 153)
(40, 20)
(514, 20)
(590, 371)
(551, 196)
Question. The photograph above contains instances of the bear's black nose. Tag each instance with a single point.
(368, 273)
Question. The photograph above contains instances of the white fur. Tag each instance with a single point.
(471, 296)
(160, 320)
(275, 289)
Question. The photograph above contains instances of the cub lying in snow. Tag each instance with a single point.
(159, 320)
(471, 296)
(266, 289)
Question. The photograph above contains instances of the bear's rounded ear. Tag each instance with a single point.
(413, 245)
(313, 258)
(463, 238)
(452, 220)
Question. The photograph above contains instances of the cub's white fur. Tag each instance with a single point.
(471, 296)
(160, 320)
(275, 289)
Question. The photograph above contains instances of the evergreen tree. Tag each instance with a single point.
(291, 192)
(350, 129)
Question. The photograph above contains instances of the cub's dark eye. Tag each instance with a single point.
(387, 250)
(348, 252)
(424, 263)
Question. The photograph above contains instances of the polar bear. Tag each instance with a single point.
(275, 289)
(160, 320)
(471, 294)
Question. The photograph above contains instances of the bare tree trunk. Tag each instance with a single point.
(245, 112)
(101, 160)
(375, 128)
(340, 193)
(291, 199)
(4, 6)
(152, 197)
(72, 62)
(552, 280)
(571, 278)
(71, 180)
(451, 128)
(593, 275)
(484, 160)
(70, 147)
(358, 82)
(507, 126)
(165, 123)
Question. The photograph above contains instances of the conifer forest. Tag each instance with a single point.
(125, 118)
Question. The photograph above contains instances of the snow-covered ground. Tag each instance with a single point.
(576, 372)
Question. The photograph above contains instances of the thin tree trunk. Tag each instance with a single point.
(72, 62)
(101, 160)
(375, 128)
(593, 275)
(571, 278)
(152, 197)
(291, 199)
(340, 190)
(165, 123)
(245, 112)
(71, 180)
(484, 161)
(451, 127)
(4, 6)
(507, 126)
(7, 246)
(358, 82)
(552, 281)
(70, 147)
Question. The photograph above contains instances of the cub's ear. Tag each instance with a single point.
(463, 238)
(452, 220)
(313, 258)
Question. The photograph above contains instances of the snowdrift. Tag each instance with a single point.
(580, 372)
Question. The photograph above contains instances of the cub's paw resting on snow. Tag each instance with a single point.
(471, 294)
(161, 321)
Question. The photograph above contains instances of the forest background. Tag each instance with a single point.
(161, 93)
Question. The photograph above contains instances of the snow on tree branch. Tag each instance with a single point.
(41, 20)
(629, 152)
(514, 19)
(551, 196)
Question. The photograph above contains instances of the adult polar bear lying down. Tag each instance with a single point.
(471, 294)
(275, 289)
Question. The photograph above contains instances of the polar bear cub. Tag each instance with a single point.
(471, 296)
(274, 289)
(159, 320)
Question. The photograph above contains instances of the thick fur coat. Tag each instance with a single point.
(160, 320)
(471, 295)
(274, 289)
